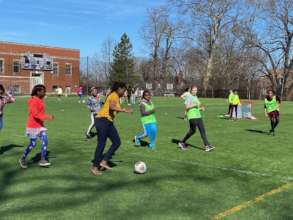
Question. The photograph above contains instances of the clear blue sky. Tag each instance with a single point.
(81, 24)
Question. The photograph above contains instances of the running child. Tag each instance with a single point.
(193, 108)
(148, 120)
(106, 129)
(5, 98)
(35, 126)
(94, 104)
(272, 109)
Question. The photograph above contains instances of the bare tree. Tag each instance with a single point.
(274, 41)
(208, 19)
(153, 33)
(106, 52)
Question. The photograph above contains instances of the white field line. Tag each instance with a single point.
(234, 170)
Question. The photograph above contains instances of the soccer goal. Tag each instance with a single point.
(244, 111)
(20, 85)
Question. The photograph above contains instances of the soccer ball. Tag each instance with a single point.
(140, 167)
(83, 101)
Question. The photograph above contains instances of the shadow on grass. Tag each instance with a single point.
(257, 131)
(176, 141)
(86, 191)
(180, 117)
(91, 190)
(6, 148)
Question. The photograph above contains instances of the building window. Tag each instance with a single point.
(16, 66)
(68, 68)
(1, 65)
(55, 68)
(54, 88)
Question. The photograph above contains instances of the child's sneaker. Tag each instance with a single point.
(152, 147)
(136, 141)
(23, 163)
(44, 163)
(182, 145)
(209, 148)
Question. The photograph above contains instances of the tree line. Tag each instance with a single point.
(217, 44)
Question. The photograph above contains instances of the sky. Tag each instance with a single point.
(79, 24)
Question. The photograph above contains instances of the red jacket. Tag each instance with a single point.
(36, 111)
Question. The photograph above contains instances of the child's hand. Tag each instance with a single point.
(202, 108)
(130, 111)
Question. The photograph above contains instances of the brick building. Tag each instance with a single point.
(64, 68)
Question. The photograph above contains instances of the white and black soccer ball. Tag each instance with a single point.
(140, 167)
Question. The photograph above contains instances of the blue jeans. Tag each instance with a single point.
(105, 130)
(150, 130)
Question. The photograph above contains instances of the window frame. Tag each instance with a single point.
(19, 66)
(3, 67)
(57, 63)
(70, 64)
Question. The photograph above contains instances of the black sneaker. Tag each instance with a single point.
(23, 163)
(44, 163)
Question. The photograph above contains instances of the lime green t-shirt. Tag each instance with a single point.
(195, 111)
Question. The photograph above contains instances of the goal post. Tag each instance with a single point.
(19, 85)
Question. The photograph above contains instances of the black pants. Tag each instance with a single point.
(274, 117)
(230, 109)
(193, 123)
(236, 112)
(105, 129)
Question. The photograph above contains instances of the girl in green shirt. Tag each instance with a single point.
(193, 109)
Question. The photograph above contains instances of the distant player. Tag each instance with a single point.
(272, 109)
(5, 98)
(235, 102)
(79, 93)
(94, 104)
(59, 92)
(148, 120)
(106, 129)
(193, 108)
(35, 126)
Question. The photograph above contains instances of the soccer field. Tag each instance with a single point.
(248, 176)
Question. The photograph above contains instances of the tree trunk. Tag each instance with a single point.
(208, 74)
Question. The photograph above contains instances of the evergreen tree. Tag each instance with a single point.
(122, 68)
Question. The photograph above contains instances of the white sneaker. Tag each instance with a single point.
(209, 148)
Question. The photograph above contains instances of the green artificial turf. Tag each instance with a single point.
(188, 184)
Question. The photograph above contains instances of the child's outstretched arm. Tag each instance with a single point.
(9, 99)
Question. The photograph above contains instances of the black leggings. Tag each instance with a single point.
(193, 123)
(274, 123)
(230, 109)
(231, 112)
(105, 129)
